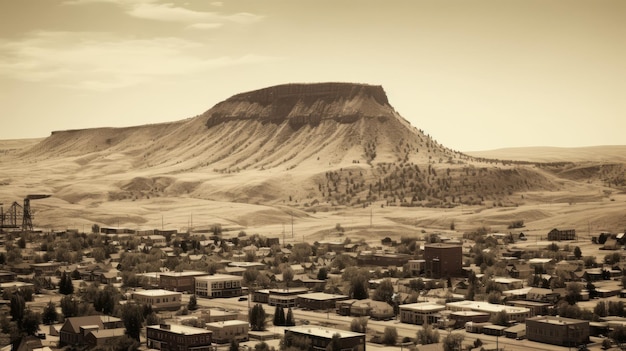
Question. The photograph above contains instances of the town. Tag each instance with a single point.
(123, 289)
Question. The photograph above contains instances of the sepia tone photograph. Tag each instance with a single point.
(237, 175)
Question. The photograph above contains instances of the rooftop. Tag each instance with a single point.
(156, 292)
(423, 307)
(322, 296)
(180, 329)
(323, 332)
(219, 277)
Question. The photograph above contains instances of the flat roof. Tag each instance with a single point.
(322, 296)
(556, 320)
(227, 323)
(423, 307)
(487, 307)
(156, 292)
(183, 274)
(182, 329)
(323, 332)
(219, 277)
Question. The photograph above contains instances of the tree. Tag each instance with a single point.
(18, 305)
(50, 314)
(132, 317)
(288, 276)
(500, 318)
(359, 324)
(427, 335)
(618, 335)
(452, 342)
(125, 343)
(322, 274)
(106, 300)
(279, 316)
(359, 285)
(573, 293)
(69, 306)
(234, 345)
(257, 318)
(577, 253)
(384, 291)
(65, 284)
(193, 303)
(262, 346)
(290, 321)
(335, 343)
(30, 322)
(390, 336)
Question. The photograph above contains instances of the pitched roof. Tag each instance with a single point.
(73, 324)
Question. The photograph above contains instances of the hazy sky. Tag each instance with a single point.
(475, 75)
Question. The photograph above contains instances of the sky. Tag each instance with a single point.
(475, 75)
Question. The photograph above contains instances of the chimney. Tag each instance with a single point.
(165, 326)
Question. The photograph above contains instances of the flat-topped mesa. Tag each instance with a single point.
(301, 104)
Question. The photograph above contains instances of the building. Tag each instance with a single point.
(416, 267)
(46, 268)
(461, 318)
(285, 297)
(178, 337)
(319, 301)
(218, 285)
(102, 337)
(159, 299)
(557, 330)
(225, 331)
(320, 337)
(567, 234)
(518, 314)
(179, 281)
(443, 260)
(382, 259)
(75, 329)
(420, 313)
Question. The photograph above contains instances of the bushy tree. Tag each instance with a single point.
(384, 291)
(193, 303)
(500, 318)
(30, 322)
(322, 274)
(335, 343)
(427, 335)
(452, 341)
(50, 314)
(18, 305)
(234, 345)
(390, 336)
(132, 317)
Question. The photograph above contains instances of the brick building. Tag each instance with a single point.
(320, 337)
(218, 285)
(557, 330)
(178, 337)
(443, 260)
(179, 281)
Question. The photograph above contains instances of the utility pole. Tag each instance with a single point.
(291, 225)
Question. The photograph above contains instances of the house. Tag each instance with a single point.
(159, 299)
(218, 285)
(178, 337)
(285, 297)
(75, 329)
(225, 331)
(361, 308)
(320, 337)
(558, 235)
(557, 330)
(103, 337)
(6, 276)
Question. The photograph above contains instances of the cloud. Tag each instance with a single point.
(169, 12)
(100, 61)
(217, 3)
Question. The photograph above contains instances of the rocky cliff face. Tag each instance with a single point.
(300, 104)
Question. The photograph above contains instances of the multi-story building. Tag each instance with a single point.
(218, 285)
(443, 260)
(320, 337)
(168, 337)
(225, 331)
(159, 299)
(567, 234)
(416, 267)
(557, 330)
(179, 281)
